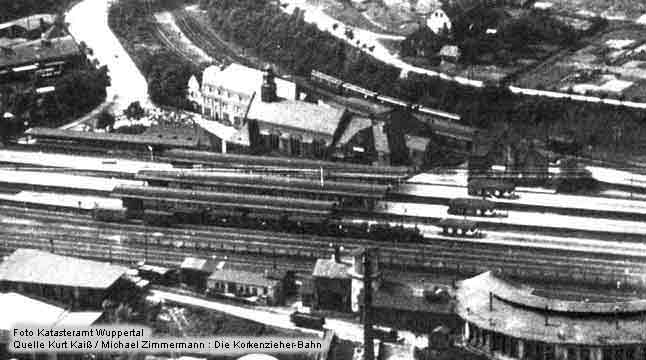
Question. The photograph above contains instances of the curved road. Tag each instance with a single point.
(88, 22)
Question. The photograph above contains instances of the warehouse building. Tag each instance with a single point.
(76, 283)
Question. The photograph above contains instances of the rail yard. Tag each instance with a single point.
(272, 210)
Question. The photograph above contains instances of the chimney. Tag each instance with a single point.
(268, 89)
(368, 338)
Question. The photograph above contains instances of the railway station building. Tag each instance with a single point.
(76, 283)
(269, 108)
(507, 321)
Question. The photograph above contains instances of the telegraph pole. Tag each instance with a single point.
(368, 342)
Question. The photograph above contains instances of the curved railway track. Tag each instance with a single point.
(437, 255)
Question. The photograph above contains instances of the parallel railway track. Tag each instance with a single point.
(453, 256)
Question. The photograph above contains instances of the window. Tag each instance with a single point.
(264, 290)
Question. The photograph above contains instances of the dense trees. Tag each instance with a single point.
(12, 9)
(299, 47)
(77, 92)
(294, 45)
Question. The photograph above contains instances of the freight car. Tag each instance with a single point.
(471, 207)
(460, 228)
(139, 198)
(167, 207)
(307, 320)
(492, 187)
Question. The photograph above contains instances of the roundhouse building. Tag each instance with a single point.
(505, 321)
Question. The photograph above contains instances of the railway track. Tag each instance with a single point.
(207, 39)
(451, 256)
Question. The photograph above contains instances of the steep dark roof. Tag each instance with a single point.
(243, 277)
(40, 267)
(171, 140)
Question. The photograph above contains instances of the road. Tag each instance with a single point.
(315, 15)
(88, 22)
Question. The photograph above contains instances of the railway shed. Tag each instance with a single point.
(346, 194)
(78, 283)
(502, 319)
(139, 198)
(99, 141)
(329, 169)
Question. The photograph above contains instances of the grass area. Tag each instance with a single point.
(614, 55)
(631, 9)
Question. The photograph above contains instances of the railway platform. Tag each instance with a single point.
(532, 201)
(90, 163)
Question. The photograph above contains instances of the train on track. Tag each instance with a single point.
(341, 87)
(164, 206)
(346, 194)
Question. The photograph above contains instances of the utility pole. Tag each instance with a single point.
(368, 342)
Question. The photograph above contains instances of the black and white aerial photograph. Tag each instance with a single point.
(336, 179)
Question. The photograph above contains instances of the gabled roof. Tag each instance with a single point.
(297, 115)
(244, 277)
(203, 265)
(35, 51)
(245, 80)
(328, 268)
(357, 124)
(41, 267)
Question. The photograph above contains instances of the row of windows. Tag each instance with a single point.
(240, 289)
(222, 92)
(533, 350)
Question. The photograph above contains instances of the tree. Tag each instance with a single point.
(105, 120)
(134, 111)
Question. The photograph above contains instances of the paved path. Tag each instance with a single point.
(278, 317)
(89, 23)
